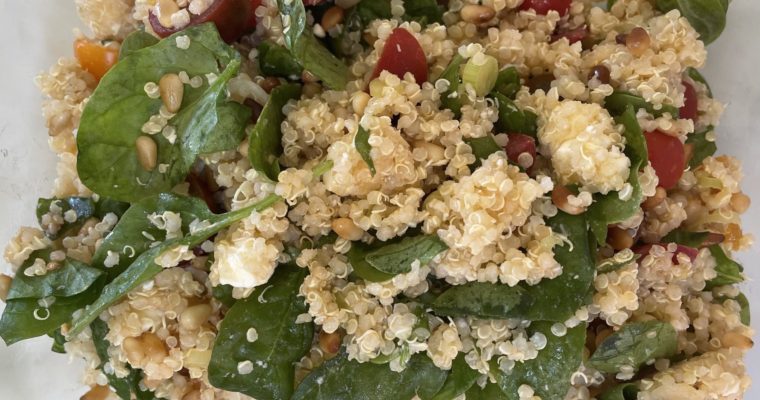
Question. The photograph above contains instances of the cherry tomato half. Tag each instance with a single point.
(233, 18)
(519, 144)
(402, 53)
(689, 109)
(666, 153)
(543, 7)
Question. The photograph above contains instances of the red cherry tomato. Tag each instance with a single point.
(233, 19)
(402, 53)
(573, 35)
(519, 144)
(689, 109)
(544, 6)
(689, 251)
(667, 156)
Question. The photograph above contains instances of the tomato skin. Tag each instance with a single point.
(668, 158)
(572, 35)
(233, 19)
(543, 7)
(402, 53)
(689, 109)
(94, 57)
(519, 143)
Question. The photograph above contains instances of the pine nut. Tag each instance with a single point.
(172, 91)
(194, 395)
(733, 339)
(195, 358)
(269, 83)
(311, 89)
(619, 239)
(477, 14)
(97, 392)
(193, 317)
(147, 152)
(559, 198)
(659, 196)
(154, 347)
(638, 41)
(329, 342)
(164, 11)
(359, 102)
(5, 286)
(740, 202)
(133, 349)
(308, 77)
(332, 17)
(347, 229)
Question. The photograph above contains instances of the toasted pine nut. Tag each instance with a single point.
(308, 77)
(172, 91)
(147, 152)
(733, 339)
(193, 317)
(359, 102)
(195, 358)
(329, 342)
(311, 89)
(269, 83)
(164, 10)
(5, 286)
(559, 197)
(154, 347)
(638, 41)
(619, 239)
(194, 395)
(332, 17)
(347, 229)
(659, 196)
(740, 202)
(97, 392)
(477, 14)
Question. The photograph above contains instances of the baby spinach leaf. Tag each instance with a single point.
(370, 10)
(610, 209)
(479, 299)
(293, 15)
(450, 98)
(58, 342)
(703, 147)
(84, 208)
(223, 293)
(549, 373)
(728, 270)
(491, 391)
(361, 142)
(697, 76)
(707, 17)
(136, 40)
(423, 11)
(144, 267)
(123, 387)
(275, 60)
(690, 239)
(341, 379)
(459, 381)
(625, 391)
(508, 82)
(357, 256)
(72, 278)
(744, 314)
(482, 148)
(272, 311)
(397, 258)
(512, 119)
(618, 102)
(265, 141)
(105, 206)
(633, 345)
(114, 116)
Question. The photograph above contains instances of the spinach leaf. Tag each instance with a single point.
(105, 206)
(293, 15)
(272, 311)
(397, 258)
(114, 116)
(71, 279)
(265, 141)
(708, 17)
(610, 209)
(697, 76)
(744, 315)
(617, 103)
(459, 381)
(361, 142)
(126, 386)
(144, 267)
(690, 239)
(479, 299)
(357, 256)
(223, 293)
(633, 345)
(84, 208)
(58, 342)
(423, 11)
(508, 82)
(549, 373)
(703, 147)
(512, 119)
(728, 270)
(625, 391)
(370, 10)
(450, 98)
(482, 148)
(341, 379)
(275, 60)
(136, 40)
(491, 391)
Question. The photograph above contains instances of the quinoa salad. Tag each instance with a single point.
(388, 200)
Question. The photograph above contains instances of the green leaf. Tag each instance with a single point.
(370, 10)
(512, 119)
(479, 299)
(633, 345)
(729, 271)
(451, 98)
(423, 11)
(106, 206)
(293, 15)
(357, 256)
(223, 293)
(144, 268)
(610, 209)
(618, 102)
(491, 391)
(625, 391)
(84, 208)
(341, 379)
(459, 381)
(71, 279)
(707, 17)
(482, 148)
(136, 40)
(58, 342)
(508, 82)
(745, 315)
(689, 239)
(549, 373)
(361, 142)
(315, 58)
(265, 142)
(275, 60)
(114, 116)
(703, 147)
(272, 311)
(397, 258)
(697, 76)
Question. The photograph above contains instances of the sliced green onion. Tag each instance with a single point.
(481, 72)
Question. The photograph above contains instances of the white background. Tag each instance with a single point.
(34, 33)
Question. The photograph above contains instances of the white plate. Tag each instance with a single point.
(34, 33)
